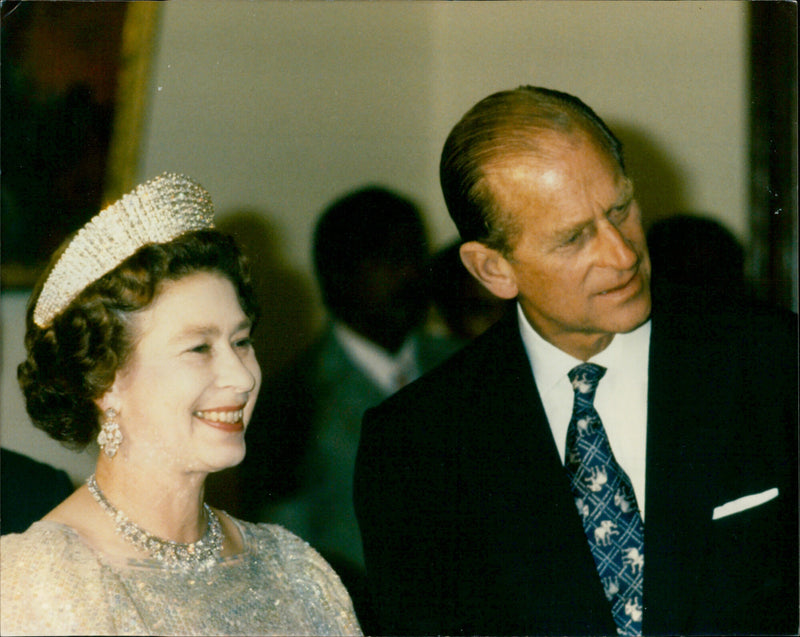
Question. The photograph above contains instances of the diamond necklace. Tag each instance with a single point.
(200, 555)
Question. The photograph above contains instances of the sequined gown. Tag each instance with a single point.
(53, 583)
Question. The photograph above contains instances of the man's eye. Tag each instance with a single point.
(619, 215)
(203, 348)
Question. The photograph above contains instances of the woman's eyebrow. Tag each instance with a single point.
(196, 331)
(208, 331)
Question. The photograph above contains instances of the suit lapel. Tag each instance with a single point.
(686, 406)
(532, 487)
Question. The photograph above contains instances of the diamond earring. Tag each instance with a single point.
(110, 436)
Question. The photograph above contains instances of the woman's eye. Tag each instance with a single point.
(244, 343)
(203, 348)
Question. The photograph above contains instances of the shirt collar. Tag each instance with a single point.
(550, 365)
(378, 364)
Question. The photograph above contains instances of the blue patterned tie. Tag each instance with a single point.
(606, 502)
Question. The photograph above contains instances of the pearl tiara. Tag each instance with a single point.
(157, 211)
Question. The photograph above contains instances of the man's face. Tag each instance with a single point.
(388, 297)
(579, 260)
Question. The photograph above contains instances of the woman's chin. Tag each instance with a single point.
(224, 458)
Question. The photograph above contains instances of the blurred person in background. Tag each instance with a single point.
(691, 250)
(28, 490)
(369, 250)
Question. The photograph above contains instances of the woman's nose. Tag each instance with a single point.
(234, 372)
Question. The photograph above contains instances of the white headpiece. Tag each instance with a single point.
(155, 212)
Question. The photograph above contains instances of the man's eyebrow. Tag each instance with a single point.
(626, 194)
(566, 233)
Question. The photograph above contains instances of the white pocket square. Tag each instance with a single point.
(742, 504)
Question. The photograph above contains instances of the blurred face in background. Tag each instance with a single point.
(390, 290)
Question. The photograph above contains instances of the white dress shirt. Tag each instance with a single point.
(621, 398)
(389, 372)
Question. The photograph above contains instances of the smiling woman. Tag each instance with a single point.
(193, 367)
(138, 334)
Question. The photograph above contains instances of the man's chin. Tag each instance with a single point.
(634, 314)
(626, 315)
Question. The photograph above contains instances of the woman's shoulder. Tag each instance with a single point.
(49, 579)
(275, 539)
(306, 571)
(25, 558)
(47, 541)
(261, 537)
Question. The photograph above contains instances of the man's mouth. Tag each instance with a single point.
(621, 288)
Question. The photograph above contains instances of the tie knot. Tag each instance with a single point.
(584, 377)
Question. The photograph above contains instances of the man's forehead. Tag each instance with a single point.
(540, 190)
(531, 147)
(545, 157)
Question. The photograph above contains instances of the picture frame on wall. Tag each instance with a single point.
(74, 88)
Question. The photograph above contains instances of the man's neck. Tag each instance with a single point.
(578, 345)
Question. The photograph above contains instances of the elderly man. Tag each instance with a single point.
(596, 463)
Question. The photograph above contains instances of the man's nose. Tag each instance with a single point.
(616, 250)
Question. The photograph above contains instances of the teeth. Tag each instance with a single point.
(221, 416)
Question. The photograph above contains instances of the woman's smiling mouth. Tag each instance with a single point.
(229, 419)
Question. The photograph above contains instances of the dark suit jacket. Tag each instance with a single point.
(29, 490)
(469, 526)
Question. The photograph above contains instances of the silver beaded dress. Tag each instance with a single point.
(53, 583)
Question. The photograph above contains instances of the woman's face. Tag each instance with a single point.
(188, 390)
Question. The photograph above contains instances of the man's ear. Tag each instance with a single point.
(491, 268)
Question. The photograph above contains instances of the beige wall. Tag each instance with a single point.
(281, 106)
(277, 107)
